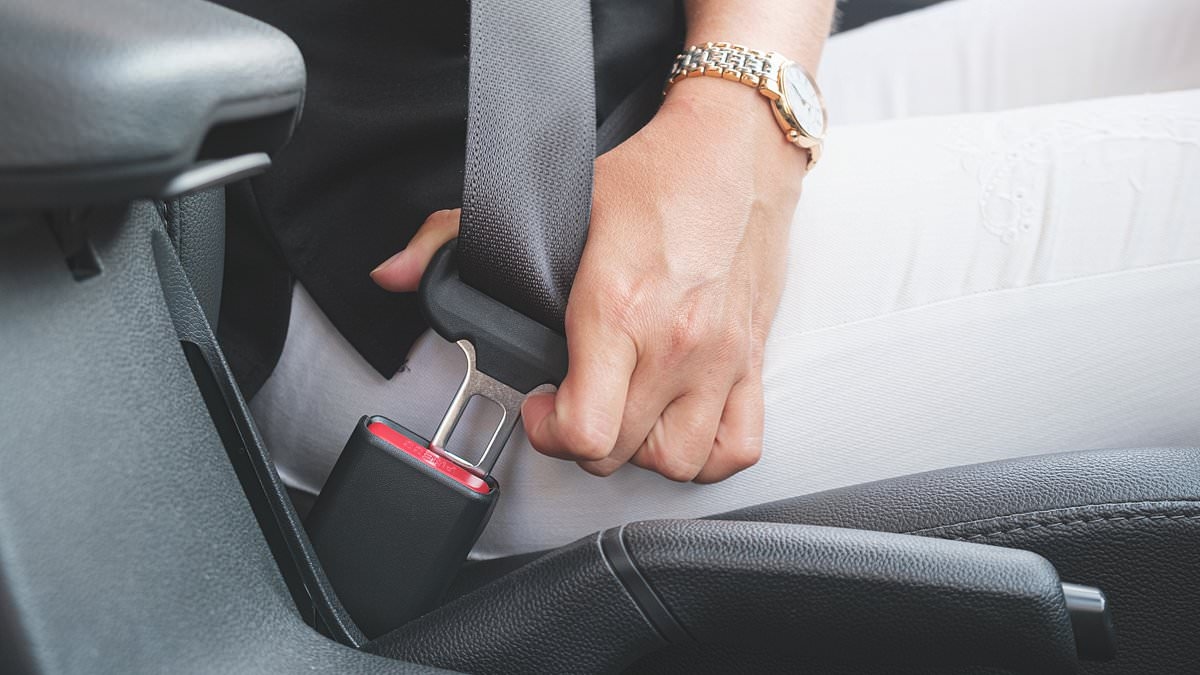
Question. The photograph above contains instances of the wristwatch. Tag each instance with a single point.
(795, 98)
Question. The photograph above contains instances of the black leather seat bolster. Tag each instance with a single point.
(988, 501)
(1127, 521)
(979, 499)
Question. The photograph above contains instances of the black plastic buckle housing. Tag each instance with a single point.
(394, 523)
(510, 347)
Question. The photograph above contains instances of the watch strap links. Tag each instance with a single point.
(727, 61)
(764, 71)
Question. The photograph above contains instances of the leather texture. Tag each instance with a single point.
(1011, 489)
(127, 544)
(196, 225)
(1126, 521)
(754, 589)
(563, 613)
(855, 595)
(124, 92)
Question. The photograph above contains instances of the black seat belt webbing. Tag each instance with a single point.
(531, 139)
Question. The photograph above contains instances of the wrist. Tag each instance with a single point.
(737, 124)
(796, 29)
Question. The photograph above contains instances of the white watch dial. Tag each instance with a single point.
(802, 97)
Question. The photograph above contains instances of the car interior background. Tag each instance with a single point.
(144, 529)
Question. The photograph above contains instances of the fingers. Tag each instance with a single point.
(649, 394)
(698, 439)
(681, 443)
(402, 272)
(695, 417)
(738, 444)
(582, 419)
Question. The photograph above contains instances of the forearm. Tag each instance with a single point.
(795, 28)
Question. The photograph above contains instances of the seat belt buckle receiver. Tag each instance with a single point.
(442, 462)
(398, 514)
(394, 522)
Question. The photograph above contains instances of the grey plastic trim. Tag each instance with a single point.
(216, 172)
(1091, 620)
(111, 100)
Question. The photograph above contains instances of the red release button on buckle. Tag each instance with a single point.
(433, 458)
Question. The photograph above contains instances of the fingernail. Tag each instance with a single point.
(388, 262)
(533, 397)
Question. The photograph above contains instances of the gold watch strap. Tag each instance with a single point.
(760, 70)
(727, 61)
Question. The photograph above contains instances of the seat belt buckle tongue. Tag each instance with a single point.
(508, 355)
(476, 383)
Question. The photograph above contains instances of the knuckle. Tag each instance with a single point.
(708, 330)
(679, 470)
(600, 301)
(621, 302)
(734, 345)
(745, 454)
(687, 333)
(588, 440)
(603, 468)
(682, 463)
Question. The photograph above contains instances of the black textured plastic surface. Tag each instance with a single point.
(509, 346)
(244, 447)
(390, 531)
(196, 225)
(612, 545)
(759, 588)
(127, 544)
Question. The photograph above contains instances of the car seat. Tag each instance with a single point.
(144, 529)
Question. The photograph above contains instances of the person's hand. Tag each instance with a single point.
(674, 296)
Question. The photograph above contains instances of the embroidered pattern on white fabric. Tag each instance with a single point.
(1016, 174)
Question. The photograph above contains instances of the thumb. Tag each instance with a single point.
(402, 272)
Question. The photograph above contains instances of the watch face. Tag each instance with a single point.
(805, 103)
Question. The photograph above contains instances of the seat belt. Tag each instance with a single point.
(500, 291)
(398, 514)
(531, 141)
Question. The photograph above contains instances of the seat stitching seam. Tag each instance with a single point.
(1063, 523)
(1050, 515)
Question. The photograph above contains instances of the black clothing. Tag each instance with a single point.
(380, 146)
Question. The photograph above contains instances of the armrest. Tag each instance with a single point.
(109, 100)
